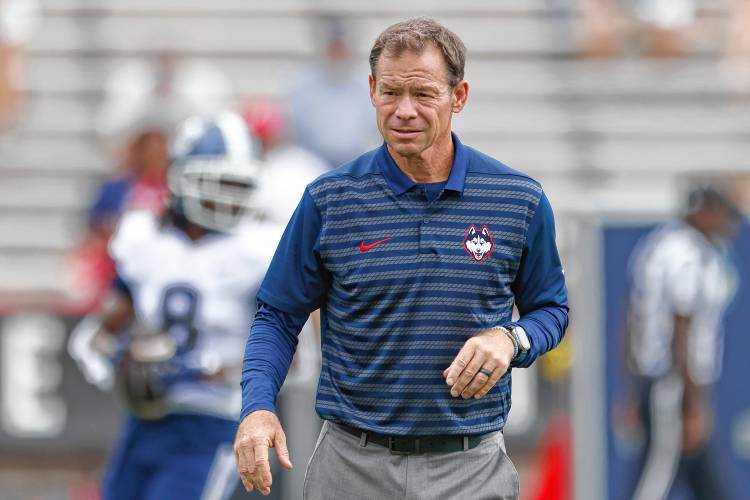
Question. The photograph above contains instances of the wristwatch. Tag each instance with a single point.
(524, 344)
(518, 336)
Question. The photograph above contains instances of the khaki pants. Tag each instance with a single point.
(341, 469)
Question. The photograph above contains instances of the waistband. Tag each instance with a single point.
(408, 445)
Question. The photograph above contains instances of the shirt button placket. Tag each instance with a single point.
(424, 228)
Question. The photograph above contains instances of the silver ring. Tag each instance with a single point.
(486, 372)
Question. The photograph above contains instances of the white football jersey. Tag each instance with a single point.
(676, 270)
(202, 292)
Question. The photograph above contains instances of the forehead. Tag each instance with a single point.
(426, 67)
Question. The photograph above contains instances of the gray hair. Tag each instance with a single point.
(414, 35)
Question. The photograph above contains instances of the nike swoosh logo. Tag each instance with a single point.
(365, 248)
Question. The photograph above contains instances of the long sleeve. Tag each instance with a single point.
(540, 293)
(268, 355)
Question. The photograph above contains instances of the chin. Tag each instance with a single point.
(406, 150)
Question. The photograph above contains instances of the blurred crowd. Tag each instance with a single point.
(658, 28)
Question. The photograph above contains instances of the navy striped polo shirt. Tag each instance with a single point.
(402, 282)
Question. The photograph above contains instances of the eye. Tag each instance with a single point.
(424, 94)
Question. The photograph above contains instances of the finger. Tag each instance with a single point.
(469, 373)
(246, 476)
(262, 476)
(282, 452)
(459, 363)
(496, 374)
(247, 483)
(477, 382)
(257, 482)
(245, 465)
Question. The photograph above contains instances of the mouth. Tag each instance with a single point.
(405, 133)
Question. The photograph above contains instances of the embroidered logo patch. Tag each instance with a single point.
(478, 243)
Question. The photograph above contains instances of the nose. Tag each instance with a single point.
(405, 109)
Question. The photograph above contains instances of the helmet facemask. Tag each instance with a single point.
(213, 192)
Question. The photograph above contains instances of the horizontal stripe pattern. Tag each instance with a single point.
(397, 314)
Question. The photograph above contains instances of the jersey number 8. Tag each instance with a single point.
(179, 305)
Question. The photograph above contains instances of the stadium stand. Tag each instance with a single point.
(619, 130)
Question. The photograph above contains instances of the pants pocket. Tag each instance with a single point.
(509, 466)
(309, 470)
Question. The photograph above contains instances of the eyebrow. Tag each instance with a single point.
(428, 88)
(417, 88)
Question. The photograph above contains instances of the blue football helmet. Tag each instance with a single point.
(214, 171)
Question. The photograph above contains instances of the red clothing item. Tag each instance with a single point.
(554, 462)
(148, 195)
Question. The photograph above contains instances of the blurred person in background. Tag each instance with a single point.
(288, 167)
(18, 21)
(330, 113)
(171, 336)
(738, 34)
(658, 25)
(682, 281)
(140, 184)
(737, 46)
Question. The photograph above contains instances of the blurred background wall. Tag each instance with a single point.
(613, 106)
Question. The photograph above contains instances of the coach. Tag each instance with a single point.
(415, 254)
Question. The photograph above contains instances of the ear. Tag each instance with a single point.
(371, 81)
(460, 94)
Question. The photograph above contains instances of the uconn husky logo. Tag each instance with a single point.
(478, 243)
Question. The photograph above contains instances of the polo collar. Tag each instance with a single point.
(400, 183)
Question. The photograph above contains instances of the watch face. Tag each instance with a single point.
(523, 339)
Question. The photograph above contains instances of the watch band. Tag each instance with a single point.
(524, 344)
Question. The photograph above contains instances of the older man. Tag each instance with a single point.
(415, 253)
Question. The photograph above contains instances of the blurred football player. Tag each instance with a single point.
(682, 282)
(184, 294)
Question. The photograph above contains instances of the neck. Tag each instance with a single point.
(192, 231)
(432, 165)
(699, 225)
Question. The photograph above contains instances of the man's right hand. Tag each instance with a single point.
(258, 432)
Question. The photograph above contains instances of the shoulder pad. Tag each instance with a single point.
(134, 229)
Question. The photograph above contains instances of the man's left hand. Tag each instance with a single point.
(490, 351)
